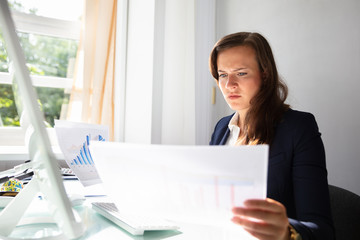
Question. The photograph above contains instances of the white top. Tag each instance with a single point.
(234, 130)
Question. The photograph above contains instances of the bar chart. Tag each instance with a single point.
(74, 141)
(84, 156)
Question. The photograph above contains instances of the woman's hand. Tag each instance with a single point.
(264, 219)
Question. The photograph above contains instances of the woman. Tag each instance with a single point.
(297, 204)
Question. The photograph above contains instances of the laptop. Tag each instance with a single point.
(197, 184)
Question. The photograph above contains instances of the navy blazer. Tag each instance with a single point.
(297, 175)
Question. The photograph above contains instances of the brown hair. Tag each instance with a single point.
(267, 106)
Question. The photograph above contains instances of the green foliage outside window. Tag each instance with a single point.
(45, 56)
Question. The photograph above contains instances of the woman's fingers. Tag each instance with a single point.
(257, 229)
(262, 215)
(264, 219)
(266, 205)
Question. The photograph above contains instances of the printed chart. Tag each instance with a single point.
(182, 193)
(84, 157)
(196, 182)
(74, 140)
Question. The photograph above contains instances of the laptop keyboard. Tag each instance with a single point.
(134, 224)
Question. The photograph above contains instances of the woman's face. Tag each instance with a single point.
(239, 77)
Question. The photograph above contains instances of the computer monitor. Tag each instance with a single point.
(47, 178)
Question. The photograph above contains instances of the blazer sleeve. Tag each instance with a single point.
(310, 184)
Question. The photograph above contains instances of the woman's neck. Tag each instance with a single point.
(241, 120)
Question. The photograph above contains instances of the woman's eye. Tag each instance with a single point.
(242, 74)
(222, 75)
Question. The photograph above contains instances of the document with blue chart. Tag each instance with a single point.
(74, 140)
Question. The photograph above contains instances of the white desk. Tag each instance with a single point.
(98, 227)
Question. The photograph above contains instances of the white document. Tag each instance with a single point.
(182, 181)
(74, 139)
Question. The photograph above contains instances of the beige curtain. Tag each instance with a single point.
(92, 95)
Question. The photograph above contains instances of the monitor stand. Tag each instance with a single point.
(47, 179)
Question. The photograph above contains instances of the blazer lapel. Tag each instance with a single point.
(225, 137)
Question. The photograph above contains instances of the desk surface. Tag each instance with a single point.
(98, 227)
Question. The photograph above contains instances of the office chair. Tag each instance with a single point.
(345, 207)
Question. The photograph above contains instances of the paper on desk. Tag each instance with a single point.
(196, 181)
(74, 139)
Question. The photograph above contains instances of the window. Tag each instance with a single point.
(49, 32)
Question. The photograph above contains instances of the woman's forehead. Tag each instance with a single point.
(237, 57)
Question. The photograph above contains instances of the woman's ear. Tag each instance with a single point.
(264, 75)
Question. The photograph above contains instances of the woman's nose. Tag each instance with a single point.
(231, 82)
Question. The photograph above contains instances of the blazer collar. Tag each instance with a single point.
(225, 137)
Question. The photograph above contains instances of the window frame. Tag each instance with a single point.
(30, 23)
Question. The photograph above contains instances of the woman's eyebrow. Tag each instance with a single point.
(234, 70)
(238, 69)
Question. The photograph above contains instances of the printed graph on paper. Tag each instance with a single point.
(74, 140)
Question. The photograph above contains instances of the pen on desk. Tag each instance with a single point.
(95, 195)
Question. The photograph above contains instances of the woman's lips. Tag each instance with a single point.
(233, 96)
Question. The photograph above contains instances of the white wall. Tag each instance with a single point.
(178, 108)
(317, 48)
(159, 101)
(204, 82)
(139, 71)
